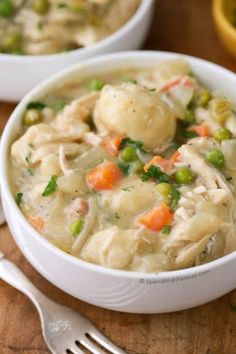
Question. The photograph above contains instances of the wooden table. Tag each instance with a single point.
(183, 26)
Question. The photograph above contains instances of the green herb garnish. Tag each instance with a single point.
(134, 143)
(175, 197)
(31, 171)
(19, 197)
(189, 134)
(154, 172)
(175, 145)
(166, 229)
(124, 167)
(51, 187)
(36, 105)
(6, 8)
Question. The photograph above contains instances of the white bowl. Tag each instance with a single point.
(113, 289)
(19, 74)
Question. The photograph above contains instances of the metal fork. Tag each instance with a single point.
(65, 331)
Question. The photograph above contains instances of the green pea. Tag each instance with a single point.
(129, 154)
(203, 98)
(41, 7)
(184, 176)
(76, 227)
(32, 116)
(11, 42)
(215, 158)
(222, 134)
(96, 85)
(189, 117)
(6, 8)
(164, 189)
(136, 167)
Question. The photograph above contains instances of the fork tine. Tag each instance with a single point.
(105, 342)
(91, 346)
(75, 350)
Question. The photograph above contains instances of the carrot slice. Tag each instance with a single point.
(157, 218)
(175, 157)
(37, 222)
(170, 84)
(186, 81)
(104, 176)
(201, 130)
(112, 144)
(165, 165)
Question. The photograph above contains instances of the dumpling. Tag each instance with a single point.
(136, 112)
(130, 198)
(113, 248)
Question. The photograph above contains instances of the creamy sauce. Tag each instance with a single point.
(130, 170)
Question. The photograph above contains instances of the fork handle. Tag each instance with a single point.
(15, 277)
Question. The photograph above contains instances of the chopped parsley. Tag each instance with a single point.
(175, 145)
(124, 167)
(31, 171)
(36, 105)
(51, 186)
(189, 134)
(175, 197)
(155, 172)
(166, 229)
(19, 197)
(134, 143)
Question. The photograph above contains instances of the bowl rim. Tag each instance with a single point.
(126, 28)
(221, 17)
(43, 87)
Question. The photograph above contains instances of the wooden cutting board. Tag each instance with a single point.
(183, 26)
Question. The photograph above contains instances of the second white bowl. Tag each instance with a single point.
(19, 74)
